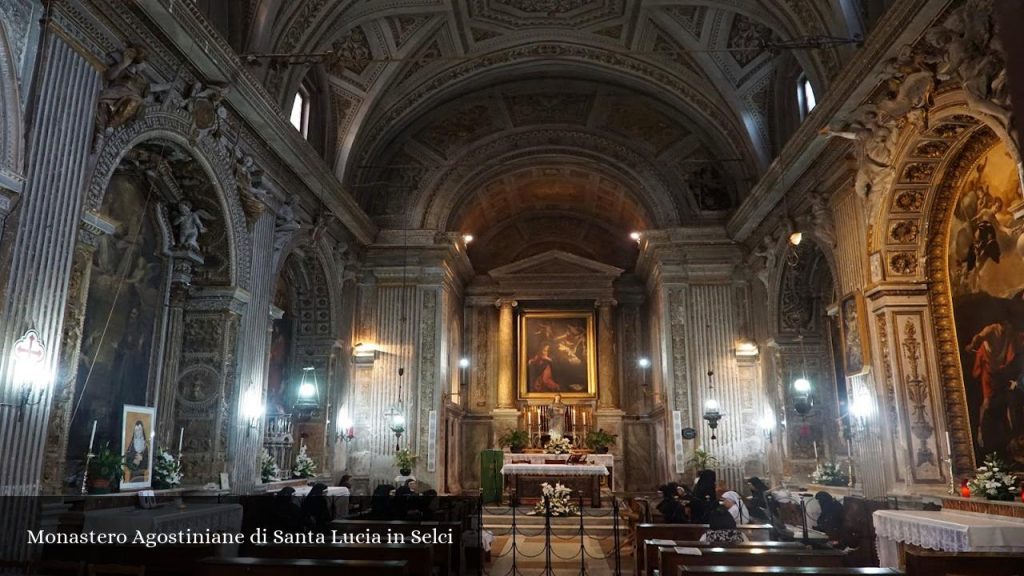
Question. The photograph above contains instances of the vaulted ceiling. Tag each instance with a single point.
(550, 123)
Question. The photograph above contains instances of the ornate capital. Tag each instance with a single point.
(505, 303)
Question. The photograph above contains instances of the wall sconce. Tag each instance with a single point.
(346, 432)
(803, 401)
(364, 353)
(746, 349)
(463, 363)
(767, 425)
(467, 238)
(30, 371)
(795, 238)
(252, 410)
(712, 410)
(397, 427)
(861, 410)
(635, 237)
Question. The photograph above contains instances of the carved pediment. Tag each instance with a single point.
(555, 264)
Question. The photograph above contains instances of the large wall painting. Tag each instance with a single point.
(557, 354)
(986, 277)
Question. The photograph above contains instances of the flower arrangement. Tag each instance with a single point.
(405, 460)
(993, 480)
(166, 470)
(559, 501)
(269, 471)
(830, 474)
(304, 465)
(702, 460)
(558, 445)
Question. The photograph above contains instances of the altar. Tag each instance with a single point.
(606, 460)
(526, 479)
(945, 530)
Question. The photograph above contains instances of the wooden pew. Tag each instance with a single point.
(669, 560)
(784, 571)
(446, 556)
(285, 567)
(647, 559)
(932, 563)
(691, 532)
(418, 557)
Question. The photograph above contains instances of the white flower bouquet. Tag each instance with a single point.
(558, 445)
(304, 465)
(829, 474)
(994, 481)
(269, 472)
(559, 501)
(166, 470)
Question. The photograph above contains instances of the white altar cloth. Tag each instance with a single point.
(946, 530)
(606, 460)
(554, 470)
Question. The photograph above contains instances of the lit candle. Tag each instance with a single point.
(181, 439)
(815, 450)
(584, 419)
(529, 419)
(573, 413)
(93, 437)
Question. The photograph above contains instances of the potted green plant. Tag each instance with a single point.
(516, 440)
(405, 459)
(702, 460)
(600, 440)
(105, 469)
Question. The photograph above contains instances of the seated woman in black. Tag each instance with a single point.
(759, 500)
(315, 507)
(722, 528)
(286, 514)
(671, 509)
(705, 497)
(830, 521)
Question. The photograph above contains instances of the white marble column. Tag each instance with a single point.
(506, 354)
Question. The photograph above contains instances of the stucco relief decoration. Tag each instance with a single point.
(890, 390)
(918, 172)
(123, 97)
(766, 253)
(747, 39)
(985, 260)
(904, 232)
(903, 263)
(351, 53)
(909, 200)
(919, 396)
(874, 143)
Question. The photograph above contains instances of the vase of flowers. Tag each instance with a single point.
(166, 470)
(304, 465)
(558, 445)
(269, 472)
(830, 474)
(558, 500)
(993, 480)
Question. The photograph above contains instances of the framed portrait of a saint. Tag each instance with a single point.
(853, 331)
(137, 446)
(557, 354)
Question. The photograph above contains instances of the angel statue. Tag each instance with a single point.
(123, 99)
(874, 144)
(189, 224)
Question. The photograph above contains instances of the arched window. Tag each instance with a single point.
(300, 112)
(805, 96)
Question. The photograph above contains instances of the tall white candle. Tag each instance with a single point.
(93, 437)
(949, 446)
(815, 450)
(181, 439)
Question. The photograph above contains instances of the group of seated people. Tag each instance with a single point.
(723, 511)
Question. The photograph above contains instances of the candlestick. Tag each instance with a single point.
(93, 437)
(815, 450)
(949, 446)
(181, 440)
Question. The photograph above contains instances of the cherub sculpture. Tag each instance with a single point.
(189, 225)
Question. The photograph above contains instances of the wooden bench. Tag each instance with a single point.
(418, 557)
(691, 532)
(669, 560)
(446, 556)
(932, 563)
(785, 571)
(285, 567)
(647, 559)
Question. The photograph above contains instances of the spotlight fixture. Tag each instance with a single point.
(346, 432)
(363, 353)
(463, 363)
(767, 425)
(802, 402)
(746, 349)
(30, 371)
(467, 238)
(634, 236)
(796, 237)
(252, 410)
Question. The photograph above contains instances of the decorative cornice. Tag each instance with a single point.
(216, 62)
(904, 19)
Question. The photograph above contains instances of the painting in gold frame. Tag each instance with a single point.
(853, 330)
(557, 354)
